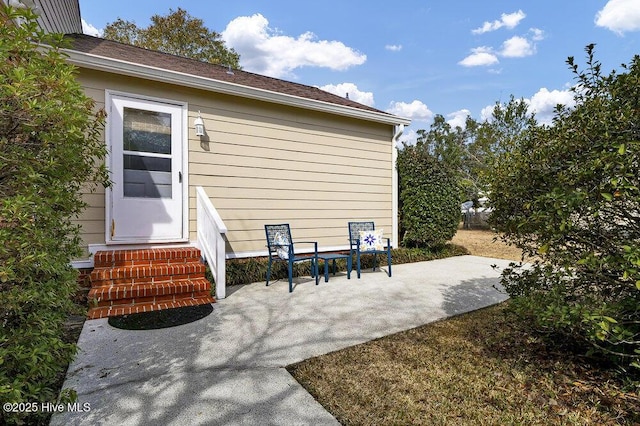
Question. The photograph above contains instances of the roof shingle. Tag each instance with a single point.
(124, 52)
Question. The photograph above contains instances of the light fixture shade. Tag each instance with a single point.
(198, 123)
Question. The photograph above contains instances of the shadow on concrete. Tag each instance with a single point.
(229, 368)
(473, 294)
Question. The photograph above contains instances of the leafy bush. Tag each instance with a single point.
(49, 144)
(570, 194)
(429, 199)
(254, 269)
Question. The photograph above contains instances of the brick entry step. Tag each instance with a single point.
(132, 281)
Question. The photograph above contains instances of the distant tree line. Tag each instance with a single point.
(568, 194)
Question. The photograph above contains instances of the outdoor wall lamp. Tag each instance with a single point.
(198, 123)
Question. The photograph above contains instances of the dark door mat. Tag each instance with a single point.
(161, 319)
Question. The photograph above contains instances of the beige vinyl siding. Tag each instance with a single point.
(265, 163)
(271, 164)
(92, 219)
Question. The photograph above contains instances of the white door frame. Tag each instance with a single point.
(184, 133)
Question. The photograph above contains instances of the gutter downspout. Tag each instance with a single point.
(398, 130)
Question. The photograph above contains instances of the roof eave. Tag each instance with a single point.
(101, 63)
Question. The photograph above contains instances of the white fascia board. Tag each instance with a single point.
(101, 63)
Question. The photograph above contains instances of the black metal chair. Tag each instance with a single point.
(281, 247)
(359, 247)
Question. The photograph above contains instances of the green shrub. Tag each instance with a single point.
(48, 148)
(429, 199)
(570, 194)
(254, 269)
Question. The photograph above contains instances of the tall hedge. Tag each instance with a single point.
(429, 199)
(49, 149)
(570, 194)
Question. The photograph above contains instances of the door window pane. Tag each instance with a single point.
(147, 131)
(146, 177)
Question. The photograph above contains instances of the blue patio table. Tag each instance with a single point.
(334, 256)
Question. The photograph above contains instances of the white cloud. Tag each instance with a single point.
(510, 20)
(393, 47)
(480, 56)
(416, 110)
(458, 118)
(619, 16)
(544, 102)
(517, 47)
(486, 114)
(352, 90)
(536, 34)
(89, 29)
(266, 51)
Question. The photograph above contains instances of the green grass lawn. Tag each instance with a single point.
(481, 368)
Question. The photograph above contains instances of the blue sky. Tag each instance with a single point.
(414, 58)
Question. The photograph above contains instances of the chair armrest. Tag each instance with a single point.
(315, 244)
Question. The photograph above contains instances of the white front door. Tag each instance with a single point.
(146, 199)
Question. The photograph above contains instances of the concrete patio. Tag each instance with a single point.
(228, 368)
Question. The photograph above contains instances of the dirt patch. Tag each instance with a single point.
(161, 319)
(485, 243)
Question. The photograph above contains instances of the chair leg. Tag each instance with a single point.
(358, 264)
(326, 271)
(290, 276)
(315, 269)
(389, 260)
(269, 271)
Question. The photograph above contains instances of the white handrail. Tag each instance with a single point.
(211, 230)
